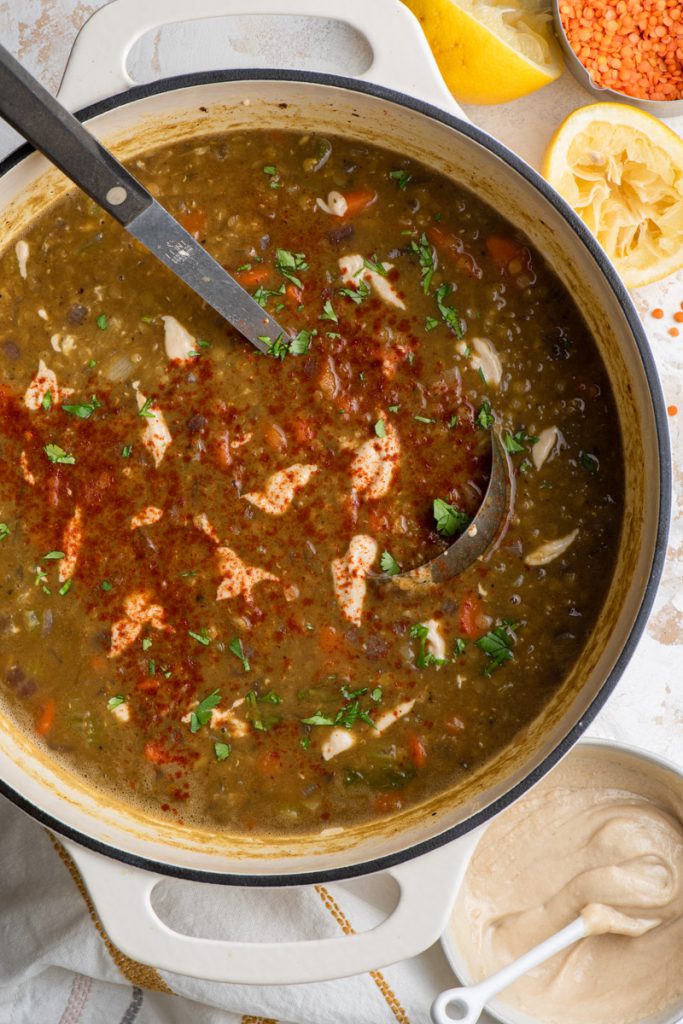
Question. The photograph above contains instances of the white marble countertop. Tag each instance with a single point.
(647, 706)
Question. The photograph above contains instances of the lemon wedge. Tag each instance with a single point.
(491, 51)
(621, 170)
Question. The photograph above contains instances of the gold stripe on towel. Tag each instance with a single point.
(377, 976)
(135, 973)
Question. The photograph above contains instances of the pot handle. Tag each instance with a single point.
(401, 57)
(122, 896)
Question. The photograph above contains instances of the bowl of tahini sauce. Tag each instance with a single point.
(605, 827)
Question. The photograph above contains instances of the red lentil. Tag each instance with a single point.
(658, 313)
(674, 332)
(678, 317)
(672, 410)
(632, 46)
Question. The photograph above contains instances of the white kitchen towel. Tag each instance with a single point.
(58, 967)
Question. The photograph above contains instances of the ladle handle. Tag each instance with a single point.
(468, 1001)
(29, 108)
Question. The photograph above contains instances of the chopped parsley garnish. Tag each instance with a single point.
(328, 313)
(41, 579)
(424, 657)
(272, 172)
(401, 178)
(589, 461)
(423, 419)
(376, 694)
(394, 408)
(518, 442)
(83, 410)
(453, 422)
(357, 294)
(114, 702)
(425, 256)
(449, 314)
(4, 531)
(449, 519)
(256, 719)
(53, 555)
(202, 713)
(289, 264)
(277, 347)
(58, 455)
(525, 466)
(202, 637)
(126, 451)
(301, 343)
(350, 713)
(430, 323)
(235, 647)
(102, 322)
(305, 742)
(47, 401)
(485, 417)
(388, 564)
(65, 588)
(146, 643)
(498, 646)
(222, 751)
(459, 646)
(92, 363)
(376, 266)
(318, 719)
(145, 409)
(151, 667)
(106, 586)
(380, 429)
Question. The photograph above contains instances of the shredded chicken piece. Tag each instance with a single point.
(238, 577)
(389, 717)
(146, 517)
(542, 450)
(72, 543)
(281, 489)
(349, 575)
(201, 521)
(353, 270)
(337, 742)
(21, 250)
(138, 611)
(156, 437)
(486, 358)
(224, 719)
(25, 470)
(336, 204)
(375, 464)
(178, 341)
(45, 380)
(435, 643)
(552, 549)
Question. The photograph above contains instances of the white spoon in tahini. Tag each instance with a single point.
(466, 1003)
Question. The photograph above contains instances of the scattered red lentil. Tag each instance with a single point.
(632, 46)
(678, 317)
(674, 332)
(658, 313)
(672, 409)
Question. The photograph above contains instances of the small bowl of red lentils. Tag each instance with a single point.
(627, 50)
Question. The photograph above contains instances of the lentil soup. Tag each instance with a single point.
(189, 530)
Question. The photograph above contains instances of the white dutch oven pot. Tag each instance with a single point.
(122, 853)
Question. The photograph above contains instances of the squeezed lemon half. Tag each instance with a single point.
(490, 52)
(621, 170)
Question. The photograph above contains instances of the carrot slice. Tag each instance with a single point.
(359, 200)
(502, 250)
(294, 296)
(469, 618)
(193, 221)
(418, 751)
(255, 275)
(46, 718)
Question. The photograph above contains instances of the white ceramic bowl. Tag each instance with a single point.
(665, 771)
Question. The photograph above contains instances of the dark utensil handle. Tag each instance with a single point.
(35, 114)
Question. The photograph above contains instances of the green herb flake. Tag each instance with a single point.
(485, 416)
(376, 694)
(53, 556)
(83, 410)
(376, 266)
(401, 178)
(202, 637)
(357, 294)
(380, 429)
(65, 588)
(518, 442)
(423, 419)
(58, 455)
(305, 742)
(114, 702)
(425, 256)
(151, 667)
(144, 411)
(202, 713)
(453, 422)
(589, 462)
(525, 466)
(449, 314)
(146, 643)
(222, 751)
(47, 401)
(459, 646)
(126, 451)
(92, 364)
(4, 531)
(449, 519)
(328, 313)
(498, 646)
(389, 564)
(430, 323)
(290, 264)
(270, 170)
(301, 342)
(106, 586)
(235, 647)
(102, 322)
(394, 408)
(424, 658)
